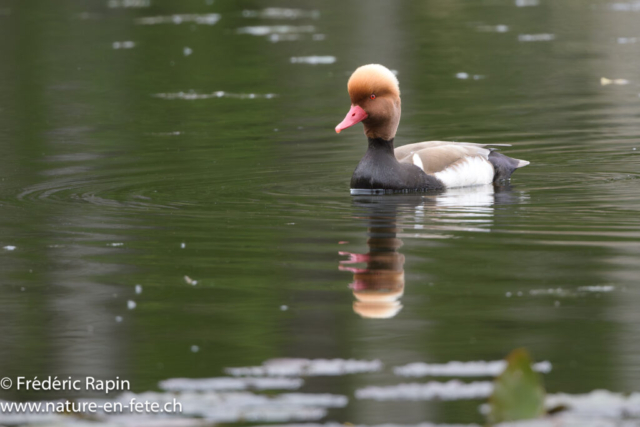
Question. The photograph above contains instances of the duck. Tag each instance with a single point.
(423, 166)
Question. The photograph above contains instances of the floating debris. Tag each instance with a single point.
(450, 390)
(219, 94)
(118, 319)
(138, 289)
(605, 81)
(9, 248)
(116, 244)
(187, 51)
(183, 245)
(195, 349)
(124, 45)
(284, 308)
(307, 367)
(318, 37)
(131, 304)
(536, 37)
(281, 13)
(527, 3)
(313, 60)
(265, 30)
(190, 281)
(478, 368)
(229, 384)
(202, 19)
(115, 4)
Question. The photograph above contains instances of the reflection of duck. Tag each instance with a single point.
(431, 165)
(379, 285)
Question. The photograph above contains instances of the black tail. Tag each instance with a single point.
(504, 166)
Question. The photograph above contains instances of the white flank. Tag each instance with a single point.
(472, 171)
(418, 161)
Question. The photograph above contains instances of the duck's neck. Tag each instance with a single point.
(381, 146)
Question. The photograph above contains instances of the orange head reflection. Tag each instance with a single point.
(379, 285)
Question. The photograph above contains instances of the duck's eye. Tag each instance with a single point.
(373, 96)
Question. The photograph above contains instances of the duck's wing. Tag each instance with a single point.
(408, 150)
(437, 156)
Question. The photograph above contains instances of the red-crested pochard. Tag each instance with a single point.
(423, 166)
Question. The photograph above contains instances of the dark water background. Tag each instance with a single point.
(101, 183)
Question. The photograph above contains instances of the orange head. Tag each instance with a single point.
(375, 101)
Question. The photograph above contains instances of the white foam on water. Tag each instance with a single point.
(551, 291)
(187, 51)
(194, 18)
(465, 76)
(527, 3)
(450, 390)
(627, 40)
(123, 45)
(631, 6)
(599, 408)
(116, 244)
(477, 368)
(115, 4)
(598, 403)
(572, 293)
(138, 289)
(313, 60)
(131, 304)
(536, 37)
(190, 96)
(265, 30)
(281, 13)
(603, 288)
(308, 367)
(9, 248)
(334, 424)
(620, 82)
(500, 28)
(275, 38)
(230, 384)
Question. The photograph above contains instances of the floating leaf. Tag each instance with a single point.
(518, 392)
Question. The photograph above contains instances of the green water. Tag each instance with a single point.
(102, 182)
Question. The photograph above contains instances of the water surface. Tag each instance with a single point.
(139, 151)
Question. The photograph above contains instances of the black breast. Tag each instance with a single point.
(380, 170)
